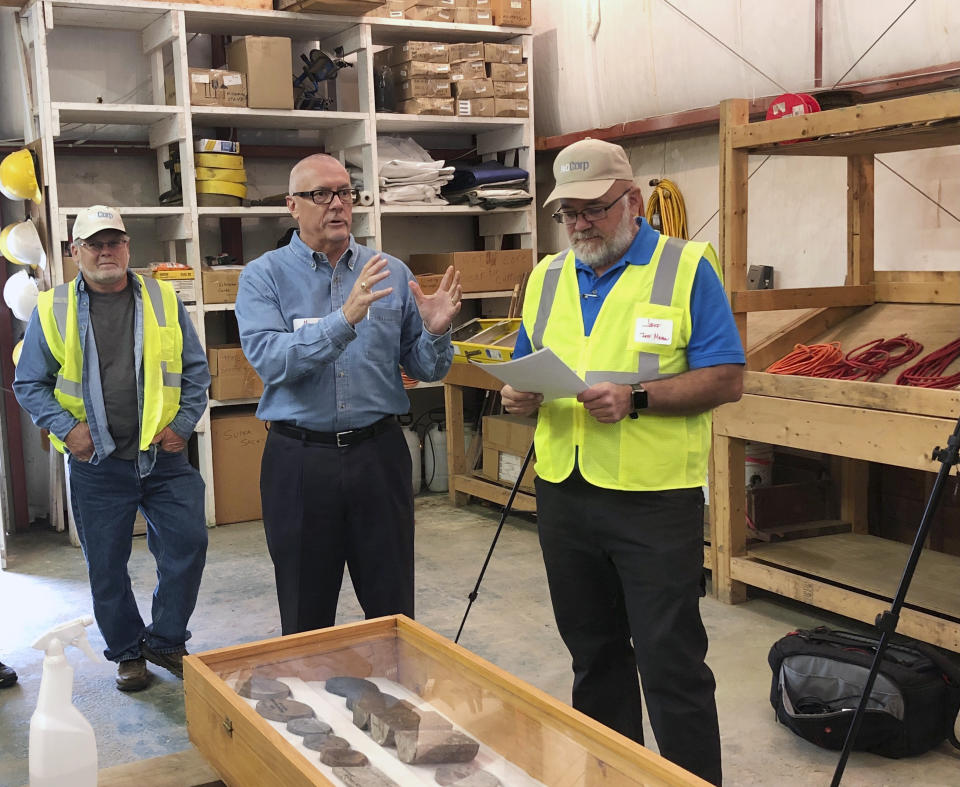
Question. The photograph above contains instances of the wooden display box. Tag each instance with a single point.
(539, 737)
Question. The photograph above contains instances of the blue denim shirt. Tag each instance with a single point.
(318, 371)
(37, 376)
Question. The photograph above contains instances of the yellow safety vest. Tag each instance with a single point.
(162, 354)
(640, 334)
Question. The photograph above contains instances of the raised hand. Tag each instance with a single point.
(437, 311)
(362, 295)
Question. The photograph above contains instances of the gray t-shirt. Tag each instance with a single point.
(112, 320)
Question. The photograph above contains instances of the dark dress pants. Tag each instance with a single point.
(324, 506)
(628, 566)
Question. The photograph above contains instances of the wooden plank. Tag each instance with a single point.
(456, 459)
(471, 376)
(728, 528)
(850, 603)
(872, 396)
(495, 493)
(172, 770)
(854, 432)
(941, 105)
(860, 220)
(734, 178)
(799, 331)
(802, 298)
(918, 286)
(872, 565)
(854, 476)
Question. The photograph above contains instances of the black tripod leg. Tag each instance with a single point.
(503, 518)
(887, 622)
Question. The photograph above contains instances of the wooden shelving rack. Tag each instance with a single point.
(854, 574)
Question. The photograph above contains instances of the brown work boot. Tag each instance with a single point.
(171, 660)
(132, 675)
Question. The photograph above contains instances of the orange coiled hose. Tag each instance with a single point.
(928, 371)
(808, 360)
(873, 360)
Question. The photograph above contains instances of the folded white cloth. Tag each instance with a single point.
(420, 193)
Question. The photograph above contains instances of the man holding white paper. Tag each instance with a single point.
(643, 319)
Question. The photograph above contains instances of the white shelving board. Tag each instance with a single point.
(164, 31)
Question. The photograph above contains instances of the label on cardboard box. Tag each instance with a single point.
(418, 68)
(510, 89)
(507, 72)
(475, 107)
(210, 87)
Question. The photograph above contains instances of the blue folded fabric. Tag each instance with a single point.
(469, 176)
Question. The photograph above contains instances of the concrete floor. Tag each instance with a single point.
(511, 625)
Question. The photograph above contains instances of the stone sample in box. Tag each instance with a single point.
(432, 746)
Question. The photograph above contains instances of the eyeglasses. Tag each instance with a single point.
(98, 247)
(325, 196)
(591, 214)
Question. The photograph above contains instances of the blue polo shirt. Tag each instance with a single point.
(714, 339)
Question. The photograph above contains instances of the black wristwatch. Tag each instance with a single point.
(638, 399)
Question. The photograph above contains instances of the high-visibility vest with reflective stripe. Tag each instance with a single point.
(162, 353)
(640, 334)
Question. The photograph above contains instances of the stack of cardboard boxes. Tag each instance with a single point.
(470, 80)
(511, 13)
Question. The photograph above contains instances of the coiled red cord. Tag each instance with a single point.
(928, 371)
(873, 360)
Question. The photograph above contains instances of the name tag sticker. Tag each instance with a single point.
(651, 331)
(301, 321)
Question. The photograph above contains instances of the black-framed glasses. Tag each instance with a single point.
(325, 196)
(591, 214)
(98, 247)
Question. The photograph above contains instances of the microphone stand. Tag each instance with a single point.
(887, 621)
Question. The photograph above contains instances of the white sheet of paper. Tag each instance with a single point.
(540, 372)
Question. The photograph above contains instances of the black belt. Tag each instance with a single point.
(339, 439)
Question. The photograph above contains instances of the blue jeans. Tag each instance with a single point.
(105, 500)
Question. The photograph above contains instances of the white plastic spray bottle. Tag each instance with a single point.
(63, 748)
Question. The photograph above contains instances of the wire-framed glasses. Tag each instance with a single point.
(325, 196)
(98, 247)
(592, 213)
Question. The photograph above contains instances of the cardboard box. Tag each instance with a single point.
(468, 69)
(186, 290)
(214, 87)
(424, 51)
(426, 106)
(480, 271)
(507, 72)
(475, 107)
(267, 62)
(341, 7)
(511, 108)
(250, 5)
(472, 16)
(238, 441)
(460, 52)
(392, 9)
(70, 269)
(429, 13)
(220, 283)
(510, 90)
(473, 88)
(423, 86)
(171, 271)
(418, 68)
(506, 440)
(512, 13)
(503, 53)
(429, 282)
(231, 375)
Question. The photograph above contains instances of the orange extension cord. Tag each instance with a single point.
(928, 371)
(808, 360)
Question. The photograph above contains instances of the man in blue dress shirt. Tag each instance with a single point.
(327, 324)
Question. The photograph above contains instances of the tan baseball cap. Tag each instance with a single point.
(587, 169)
(95, 218)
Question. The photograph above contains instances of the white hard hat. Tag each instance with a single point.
(23, 242)
(20, 294)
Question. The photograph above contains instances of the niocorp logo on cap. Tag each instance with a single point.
(574, 166)
(103, 214)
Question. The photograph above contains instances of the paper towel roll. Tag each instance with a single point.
(366, 198)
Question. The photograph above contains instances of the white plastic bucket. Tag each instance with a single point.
(435, 458)
(758, 464)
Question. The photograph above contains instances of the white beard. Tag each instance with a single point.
(597, 251)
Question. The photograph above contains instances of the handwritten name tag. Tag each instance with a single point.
(301, 321)
(650, 331)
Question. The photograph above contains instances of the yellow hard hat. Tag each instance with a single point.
(16, 352)
(18, 177)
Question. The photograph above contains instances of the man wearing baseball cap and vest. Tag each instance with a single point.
(112, 367)
(644, 320)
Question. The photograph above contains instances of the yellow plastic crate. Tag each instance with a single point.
(485, 340)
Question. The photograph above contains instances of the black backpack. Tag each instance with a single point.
(819, 675)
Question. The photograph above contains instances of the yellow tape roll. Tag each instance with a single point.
(221, 160)
(221, 187)
(229, 175)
